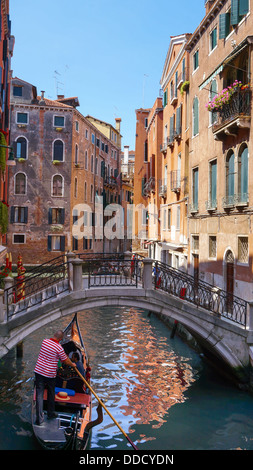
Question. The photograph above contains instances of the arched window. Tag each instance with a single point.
(195, 116)
(20, 183)
(230, 178)
(58, 150)
(243, 174)
(21, 148)
(57, 186)
(85, 191)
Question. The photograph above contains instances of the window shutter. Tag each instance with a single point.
(195, 116)
(178, 121)
(244, 171)
(62, 216)
(224, 22)
(234, 18)
(243, 7)
(50, 216)
(172, 128)
(62, 246)
(183, 69)
(26, 215)
(176, 83)
(49, 243)
(12, 214)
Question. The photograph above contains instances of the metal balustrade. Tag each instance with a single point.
(114, 270)
(200, 293)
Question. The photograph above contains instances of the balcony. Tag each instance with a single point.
(163, 146)
(175, 181)
(211, 205)
(110, 181)
(233, 115)
(162, 188)
(194, 208)
(149, 186)
(235, 200)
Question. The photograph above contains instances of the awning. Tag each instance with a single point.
(171, 246)
(211, 77)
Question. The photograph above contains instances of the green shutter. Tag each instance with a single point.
(178, 121)
(195, 116)
(165, 98)
(213, 183)
(171, 137)
(50, 216)
(244, 172)
(234, 18)
(49, 243)
(231, 175)
(176, 82)
(243, 7)
(62, 243)
(183, 69)
(224, 23)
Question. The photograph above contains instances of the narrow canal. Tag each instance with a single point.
(161, 392)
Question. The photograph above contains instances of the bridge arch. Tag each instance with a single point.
(207, 330)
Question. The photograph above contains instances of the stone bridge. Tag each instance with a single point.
(222, 326)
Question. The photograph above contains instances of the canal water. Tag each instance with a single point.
(162, 392)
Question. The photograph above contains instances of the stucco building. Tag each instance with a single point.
(220, 169)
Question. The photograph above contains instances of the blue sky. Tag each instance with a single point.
(109, 53)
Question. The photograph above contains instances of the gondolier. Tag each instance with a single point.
(45, 374)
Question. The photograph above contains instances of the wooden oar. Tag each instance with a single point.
(107, 411)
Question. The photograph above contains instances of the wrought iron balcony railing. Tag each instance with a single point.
(239, 106)
(235, 200)
(175, 180)
(162, 188)
(211, 204)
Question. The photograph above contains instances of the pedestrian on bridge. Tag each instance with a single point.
(45, 374)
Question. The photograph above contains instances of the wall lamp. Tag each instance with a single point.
(11, 160)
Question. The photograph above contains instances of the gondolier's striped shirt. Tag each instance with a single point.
(50, 353)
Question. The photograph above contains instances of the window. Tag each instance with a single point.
(19, 215)
(93, 139)
(165, 101)
(243, 249)
(178, 218)
(58, 150)
(21, 148)
(77, 126)
(58, 121)
(213, 39)
(86, 133)
(20, 183)
(195, 60)
(213, 184)
(243, 175)
(76, 154)
(239, 8)
(75, 188)
(56, 215)
(86, 160)
(85, 191)
(22, 118)
(195, 188)
(18, 238)
(57, 189)
(195, 116)
(17, 90)
(224, 25)
(230, 178)
(91, 163)
(195, 242)
(56, 243)
(179, 120)
(212, 246)
(212, 94)
(169, 219)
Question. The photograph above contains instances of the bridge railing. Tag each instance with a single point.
(200, 293)
(113, 272)
(49, 281)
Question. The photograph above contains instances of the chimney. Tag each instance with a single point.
(42, 100)
(117, 125)
(60, 97)
(126, 154)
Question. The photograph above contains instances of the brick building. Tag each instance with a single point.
(6, 52)
(221, 184)
(61, 158)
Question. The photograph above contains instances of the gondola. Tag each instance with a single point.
(73, 402)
